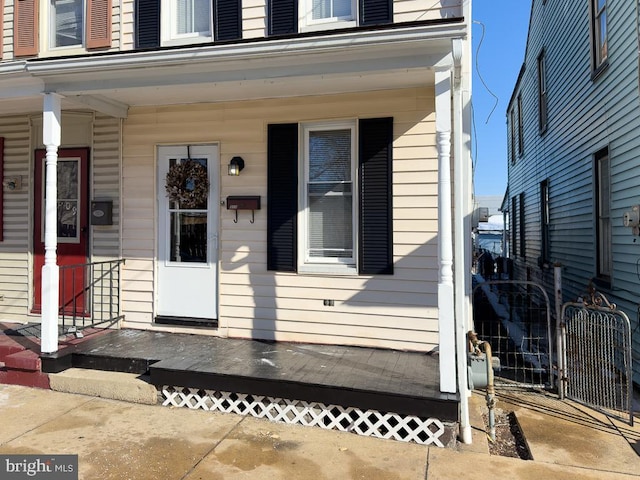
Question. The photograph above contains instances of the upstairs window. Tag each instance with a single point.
(316, 14)
(599, 33)
(520, 127)
(286, 17)
(542, 93)
(185, 22)
(67, 23)
(512, 136)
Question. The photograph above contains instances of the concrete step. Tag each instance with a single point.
(129, 387)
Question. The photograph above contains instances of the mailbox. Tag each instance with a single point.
(243, 203)
(102, 212)
(251, 202)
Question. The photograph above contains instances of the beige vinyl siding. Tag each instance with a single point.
(414, 10)
(105, 185)
(398, 311)
(14, 257)
(254, 18)
(127, 25)
(7, 30)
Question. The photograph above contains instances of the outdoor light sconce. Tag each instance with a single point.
(235, 166)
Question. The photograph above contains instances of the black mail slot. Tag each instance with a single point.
(243, 203)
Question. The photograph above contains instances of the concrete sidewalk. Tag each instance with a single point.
(120, 440)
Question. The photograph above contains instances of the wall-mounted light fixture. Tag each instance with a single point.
(235, 166)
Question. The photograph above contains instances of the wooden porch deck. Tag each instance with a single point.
(406, 383)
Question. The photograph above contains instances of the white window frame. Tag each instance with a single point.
(48, 27)
(169, 36)
(331, 265)
(308, 24)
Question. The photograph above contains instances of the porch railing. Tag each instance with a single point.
(90, 294)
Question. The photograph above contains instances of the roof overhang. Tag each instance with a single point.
(265, 68)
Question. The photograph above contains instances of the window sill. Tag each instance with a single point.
(63, 52)
(324, 269)
(318, 27)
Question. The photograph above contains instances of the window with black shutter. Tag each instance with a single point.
(187, 22)
(344, 223)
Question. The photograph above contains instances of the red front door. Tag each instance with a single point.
(72, 227)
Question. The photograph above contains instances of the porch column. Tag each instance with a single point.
(446, 316)
(51, 132)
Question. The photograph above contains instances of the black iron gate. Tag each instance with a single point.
(515, 318)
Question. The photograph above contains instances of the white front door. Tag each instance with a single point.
(187, 234)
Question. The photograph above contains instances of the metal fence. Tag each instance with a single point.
(90, 294)
(597, 357)
(515, 318)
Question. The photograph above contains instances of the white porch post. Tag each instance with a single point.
(446, 314)
(51, 132)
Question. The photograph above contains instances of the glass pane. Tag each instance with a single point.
(67, 219)
(67, 185)
(330, 155)
(68, 22)
(342, 8)
(321, 9)
(193, 190)
(193, 16)
(188, 237)
(330, 226)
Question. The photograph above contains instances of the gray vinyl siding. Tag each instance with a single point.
(585, 115)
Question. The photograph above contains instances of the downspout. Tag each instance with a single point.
(462, 238)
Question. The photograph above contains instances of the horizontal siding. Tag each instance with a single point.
(585, 115)
(105, 179)
(398, 311)
(14, 256)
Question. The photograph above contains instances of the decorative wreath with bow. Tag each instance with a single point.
(188, 184)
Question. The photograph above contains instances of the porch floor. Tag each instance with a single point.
(402, 382)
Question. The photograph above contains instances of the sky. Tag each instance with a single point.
(497, 63)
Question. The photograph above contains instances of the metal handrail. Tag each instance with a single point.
(90, 294)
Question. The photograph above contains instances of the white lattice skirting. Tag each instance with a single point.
(406, 428)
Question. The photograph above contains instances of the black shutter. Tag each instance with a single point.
(227, 19)
(375, 252)
(282, 197)
(376, 12)
(283, 17)
(147, 23)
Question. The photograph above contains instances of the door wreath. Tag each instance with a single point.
(188, 184)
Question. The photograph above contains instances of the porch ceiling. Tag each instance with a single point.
(362, 61)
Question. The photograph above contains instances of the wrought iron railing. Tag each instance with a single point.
(90, 295)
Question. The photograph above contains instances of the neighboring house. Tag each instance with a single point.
(346, 121)
(574, 152)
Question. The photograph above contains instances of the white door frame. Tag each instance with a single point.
(187, 291)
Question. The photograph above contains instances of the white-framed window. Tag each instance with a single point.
(321, 14)
(186, 21)
(327, 227)
(67, 19)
